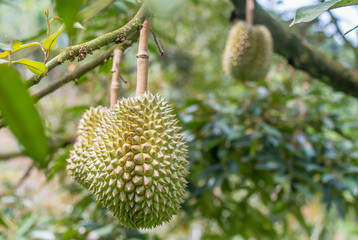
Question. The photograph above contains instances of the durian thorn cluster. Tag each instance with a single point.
(134, 159)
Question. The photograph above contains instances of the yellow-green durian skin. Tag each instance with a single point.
(85, 133)
(248, 52)
(137, 163)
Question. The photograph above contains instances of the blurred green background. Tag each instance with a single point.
(276, 159)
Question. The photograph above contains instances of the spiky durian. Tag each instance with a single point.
(85, 133)
(137, 163)
(248, 52)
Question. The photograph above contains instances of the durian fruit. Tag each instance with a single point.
(85, 133)
(137, 163)
(248, 52)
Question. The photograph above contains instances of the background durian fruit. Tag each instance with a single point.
(248, 52)
(137, 162)
(85, 133)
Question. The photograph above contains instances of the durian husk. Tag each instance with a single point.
(248, 52)
(85, 133)
(136, 162)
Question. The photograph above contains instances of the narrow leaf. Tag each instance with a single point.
(38, 68)
(17, 108)
(349, 31)
(4, 221)
(17, 45)
(308, 13)
(51, 40)
(79, 26)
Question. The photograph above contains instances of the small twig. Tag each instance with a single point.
(143, 59)
(7, 156)
(355, 50)
(250, 5)
(123, 79)
(160, 47)
(116, 71)
(25, 176)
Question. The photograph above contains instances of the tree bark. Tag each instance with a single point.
(302, 55)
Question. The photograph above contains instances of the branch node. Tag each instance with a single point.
(143, 55)
(121, 38)
(82, 54)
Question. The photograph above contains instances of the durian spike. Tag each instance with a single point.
(116, 71)
(143, 59)
(250, 6)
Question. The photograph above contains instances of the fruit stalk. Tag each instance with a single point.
(143, 59)
(116, 71)
(250, 5)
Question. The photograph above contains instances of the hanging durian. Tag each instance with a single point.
(132, 156)
(133, 159)
(137, 162)
(248, 52)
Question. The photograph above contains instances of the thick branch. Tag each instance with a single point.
(79, 71)
(74, 75)
(80, 51)
(304, 56)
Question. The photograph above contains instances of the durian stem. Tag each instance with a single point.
(143, 59)
(250, 5)
(116, 71)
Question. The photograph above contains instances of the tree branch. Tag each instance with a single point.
(74, 75)
(7, 156)
(304, 56)
(81, 50)
(80, 71)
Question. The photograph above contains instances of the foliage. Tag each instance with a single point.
(17, 107)
(309, 13)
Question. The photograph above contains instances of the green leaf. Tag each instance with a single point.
(79, 26)
(38, 68)
(17, 45)
(68, 14)
(92, 10)
(51, 40)
(18, 109)
(28, 221)
(4, 221)
(308, 13)
(5, 46)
